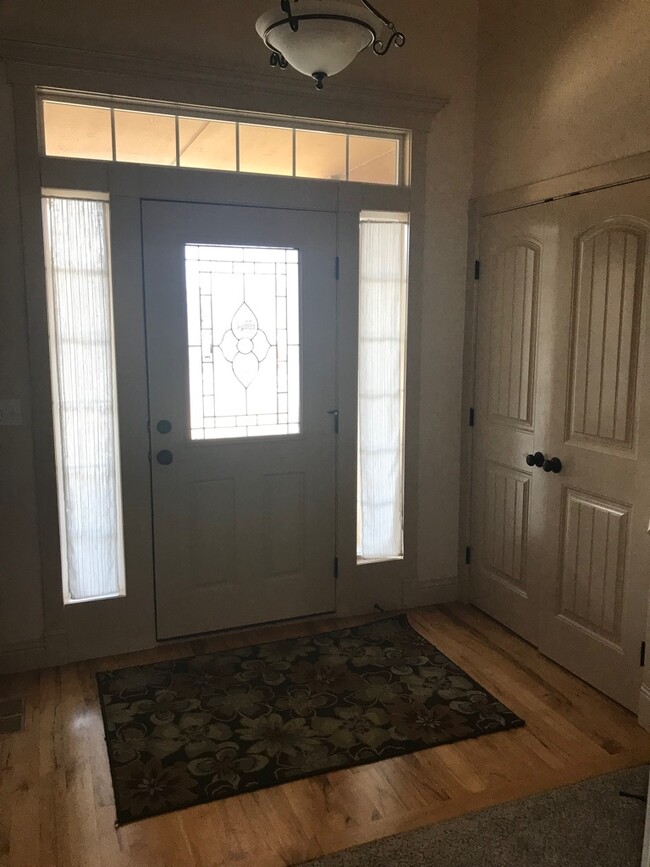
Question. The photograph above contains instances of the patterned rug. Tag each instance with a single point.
(194, 730)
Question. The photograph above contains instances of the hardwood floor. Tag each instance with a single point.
(56, 800)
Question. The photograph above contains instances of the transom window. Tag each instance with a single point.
(89, 127)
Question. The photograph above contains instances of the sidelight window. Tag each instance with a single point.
(383, 291)
(82, 363)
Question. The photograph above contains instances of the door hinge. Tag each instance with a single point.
(335, 415)
(468, 555)
(337, 268)
(642, 654)
(336, 567)
(471, 417)
(477, 269)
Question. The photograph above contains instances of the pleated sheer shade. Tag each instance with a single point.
(383, 290)
(84, 403)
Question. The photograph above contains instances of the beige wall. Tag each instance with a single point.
(439, 59)
(562, 85)
(20, 586)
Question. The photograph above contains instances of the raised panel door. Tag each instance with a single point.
(505, 419)
(595, 417)
(241, 343)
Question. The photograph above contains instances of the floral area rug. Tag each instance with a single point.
(194, 730)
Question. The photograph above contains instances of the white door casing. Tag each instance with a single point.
(581, 533)
(244, 528)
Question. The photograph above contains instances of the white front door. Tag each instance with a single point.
(561, 480)
(241, 347)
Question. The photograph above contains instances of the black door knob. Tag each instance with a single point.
(553, 466)
(536, 460)
(165, 457)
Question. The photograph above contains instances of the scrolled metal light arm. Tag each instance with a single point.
(286, 7)
(380, 47)
(396, 38)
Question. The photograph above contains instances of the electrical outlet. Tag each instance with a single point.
(11, 412)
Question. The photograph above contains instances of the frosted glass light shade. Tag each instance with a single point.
(321, 44)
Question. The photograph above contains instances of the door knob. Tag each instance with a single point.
(552, 466)
(165, 457)
(536, 460)
(164, 426)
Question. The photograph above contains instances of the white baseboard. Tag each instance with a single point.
(368, 593)
(56, 649)
(644, 720)
(644, 707)
(435, 592)
(22, 656)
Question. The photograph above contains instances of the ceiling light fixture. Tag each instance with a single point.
(322, 37)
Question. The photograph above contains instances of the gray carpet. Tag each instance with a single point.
(587, 824)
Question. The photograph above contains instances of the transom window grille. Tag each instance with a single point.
(243, 319)
(121, 130)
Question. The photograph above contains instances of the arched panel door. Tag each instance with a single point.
(561, 473)
(505, 420)
(595, 417)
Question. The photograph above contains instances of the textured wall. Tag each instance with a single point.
(20, 586)
(561, 86)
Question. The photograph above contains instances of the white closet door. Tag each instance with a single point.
(594, 405)
(561, 552)
(503, 575)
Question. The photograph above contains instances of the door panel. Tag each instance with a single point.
(594, 542)
(512, 349)
(506, 531)
(607, 309)
(564, 558)
(241, 336)
(505, 420)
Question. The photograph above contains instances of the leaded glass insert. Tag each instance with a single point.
(243, 318)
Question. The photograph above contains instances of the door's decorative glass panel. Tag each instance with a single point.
(83, 396)
(383, 290)
(243, 317)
